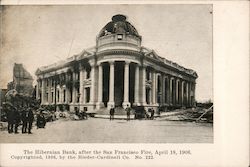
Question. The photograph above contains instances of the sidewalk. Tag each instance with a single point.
(132, 116)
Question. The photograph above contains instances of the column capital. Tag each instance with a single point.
(127, 61)
(111, 62)
(143, 67)
(92, 62)
(172, 78)
(99, 63)
(165, 77)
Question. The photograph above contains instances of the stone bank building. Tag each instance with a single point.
(118, 72)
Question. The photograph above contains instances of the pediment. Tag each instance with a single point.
(85, 53)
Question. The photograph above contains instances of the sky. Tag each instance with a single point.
(41, 35)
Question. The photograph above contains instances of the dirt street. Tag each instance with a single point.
(95, 130)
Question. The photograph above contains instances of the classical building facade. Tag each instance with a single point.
(118, 72)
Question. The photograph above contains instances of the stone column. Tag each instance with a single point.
(81, 88)
(43, 92)
(167, 90)
(49, 91)
(153, 87)
(194, 102)
(126, 85)
(67, 88)
(137, 87)
(171, 90)
(144, 85)
(163, 89)
(84, 90)
(61, 94)
(177, 91)
(74, 89)
(150, 90)
(92, 88)
(182, 92)
(99, 103)
(187, 93)
(111, 102)
(156, 89)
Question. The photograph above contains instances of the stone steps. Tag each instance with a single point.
(105, 111)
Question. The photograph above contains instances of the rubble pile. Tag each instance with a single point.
(195, 114)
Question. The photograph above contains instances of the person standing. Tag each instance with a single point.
(16, 120)
(111, 113)
(30, 120)
(41, 122)
(128, 109)
(10, 119)
(152, 113)
(24, 118)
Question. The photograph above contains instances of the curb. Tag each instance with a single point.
(115, 118)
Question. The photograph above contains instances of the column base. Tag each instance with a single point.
(99, 105)
(111, 104)
(154, 105)
(137, 104)
(143, 104)
(126, 104)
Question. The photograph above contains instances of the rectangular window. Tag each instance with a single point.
(64, 95)
(148, 75)
(52, 97)
(47, 97)
(78, 95)
(71, 95)
(88, 74)
(58, 96)
(119, 37)
(87, 90)
(78, 76)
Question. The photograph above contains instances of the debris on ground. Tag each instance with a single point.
(197, 114)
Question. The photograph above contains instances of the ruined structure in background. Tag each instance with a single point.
(2, 96)
(22, 81)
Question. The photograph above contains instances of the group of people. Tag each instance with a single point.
(40, 121)
(80, 114)
(152, 112)
(25, 117)
(14, 117)
(112, 113)
(128, 112)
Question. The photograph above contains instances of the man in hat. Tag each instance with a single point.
(40, 120)
(152, 113)
(30, 119)
(16, 119)
(128, 109)
(112, 112)
(10, 118)
(24, 118)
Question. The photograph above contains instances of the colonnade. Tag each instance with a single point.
(163, 89)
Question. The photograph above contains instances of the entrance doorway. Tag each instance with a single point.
(119, 83)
